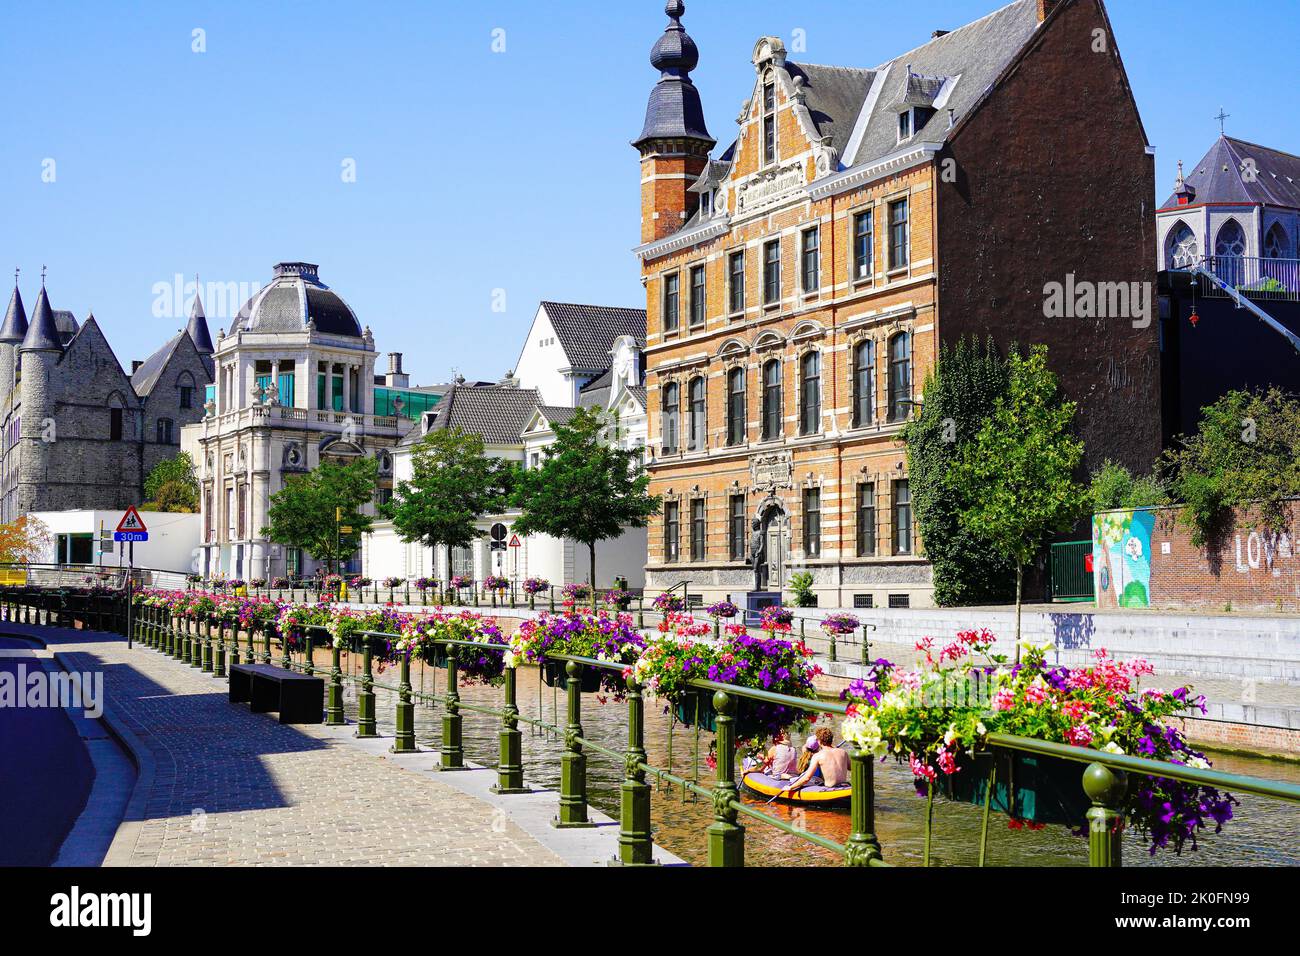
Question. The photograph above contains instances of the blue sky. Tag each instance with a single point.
(476, 171)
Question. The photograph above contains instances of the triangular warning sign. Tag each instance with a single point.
(131, 521)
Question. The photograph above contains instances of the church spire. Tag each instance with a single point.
(198, 324)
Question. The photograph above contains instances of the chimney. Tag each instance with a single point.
(939, 33)
(1045, 8)
(396, 378)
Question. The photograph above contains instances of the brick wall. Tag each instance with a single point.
(1145, 558)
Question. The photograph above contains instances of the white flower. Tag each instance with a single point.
(864, 732)
(950, 736)
(1113, 748)
(981, 729)
(1198, 763)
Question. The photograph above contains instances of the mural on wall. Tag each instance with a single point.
(1121, 557)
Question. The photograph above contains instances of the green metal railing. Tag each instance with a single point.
(1103, 779)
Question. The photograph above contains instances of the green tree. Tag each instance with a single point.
(453, 484)
(959, 391)
(302, 513)
(171, 486)
(1246, 452)
(1114, 487)
(585, 489)
(1017, 474)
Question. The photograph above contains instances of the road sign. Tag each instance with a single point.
(130, 535)
(131, 521)
(515, 542)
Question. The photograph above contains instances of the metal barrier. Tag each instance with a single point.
(1103, 778)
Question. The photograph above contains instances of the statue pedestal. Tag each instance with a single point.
(755, 601)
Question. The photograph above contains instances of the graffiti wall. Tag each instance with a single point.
(1145, 558)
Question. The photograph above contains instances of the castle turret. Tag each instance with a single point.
(11, 336)
(40, 349)
(674, 143)
(198, 325)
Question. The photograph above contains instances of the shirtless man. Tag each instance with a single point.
(829, 759)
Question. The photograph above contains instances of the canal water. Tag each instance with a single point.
(1264, 831)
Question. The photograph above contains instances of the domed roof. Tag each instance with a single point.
(294, 297)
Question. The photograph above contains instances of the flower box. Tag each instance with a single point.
(1028, 787)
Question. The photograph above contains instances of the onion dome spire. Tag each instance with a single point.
(674, 110)
(15, 323)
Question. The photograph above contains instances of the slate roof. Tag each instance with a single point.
(43, 333)
(198, 327)
(587, 332)
(145, 377)
(498, 414)
(557, 414)
(835, 96)
(674, 110)
(971, 58)
(15, 324)
(1220, 176)
(67, 325)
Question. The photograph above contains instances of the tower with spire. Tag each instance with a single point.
(11, 336)
(674, 143)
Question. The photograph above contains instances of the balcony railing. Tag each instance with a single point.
(1276, 280)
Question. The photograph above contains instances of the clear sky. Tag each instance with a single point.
(475, 170)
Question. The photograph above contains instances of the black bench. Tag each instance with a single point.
(297, 698)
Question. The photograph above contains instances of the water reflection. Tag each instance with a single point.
(1263, 832)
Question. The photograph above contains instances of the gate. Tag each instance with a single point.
(1072, 571)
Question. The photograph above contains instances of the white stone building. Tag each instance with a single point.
(295, 385)
(574, 355)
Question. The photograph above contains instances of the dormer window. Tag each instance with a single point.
(912, 120)
(706, 204)
(904, 125)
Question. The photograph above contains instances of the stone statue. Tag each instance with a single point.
(758, 556)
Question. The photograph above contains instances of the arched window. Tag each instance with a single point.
(736, 406)
(1231, 241)
(695, 391)
(900, 376)
(771, 399)
(1276, 245)
(671, 416)
(1182, 250)
(810, 393)
(864, 383)
(1229, 249)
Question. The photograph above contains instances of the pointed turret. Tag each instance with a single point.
(43, 334)
(15, 324)
(198, 325)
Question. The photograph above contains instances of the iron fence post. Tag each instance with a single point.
(183, 638)
(510, 768)
(203, 634)
(404, 739)
(726, 836)
(862, 846)
(366, 696)
(573, 765)
(453, 753)
(1105, 788)
(219, 655)
(635, 844)
(334, 698)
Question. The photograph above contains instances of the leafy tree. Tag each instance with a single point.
(171, 486)
(1114, 487)
(453, 484)
(585, 489)
(23, 540)
(1246, 452)
(959, 391)
(302, 513)
(1016, 476)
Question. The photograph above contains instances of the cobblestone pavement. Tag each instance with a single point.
(233, 788)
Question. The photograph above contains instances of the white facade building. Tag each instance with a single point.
(574, 356)
(86, 537)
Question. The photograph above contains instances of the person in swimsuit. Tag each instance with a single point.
(828, 766)
(781, 758)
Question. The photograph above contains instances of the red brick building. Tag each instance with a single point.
(798, 285)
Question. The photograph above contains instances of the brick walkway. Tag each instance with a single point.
(221, 786)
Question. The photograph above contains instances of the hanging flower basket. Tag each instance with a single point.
(555, 675)
(1027, 787)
